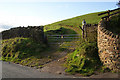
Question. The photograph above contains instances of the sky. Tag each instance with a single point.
(15, 13)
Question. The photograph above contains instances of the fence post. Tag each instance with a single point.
(108, 15)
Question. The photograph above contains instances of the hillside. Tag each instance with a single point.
(91, 18)
(71, 26)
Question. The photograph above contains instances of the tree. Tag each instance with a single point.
(118, 4)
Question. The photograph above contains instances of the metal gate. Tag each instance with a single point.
(66, 40)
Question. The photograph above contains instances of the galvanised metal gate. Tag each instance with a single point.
(66, 40)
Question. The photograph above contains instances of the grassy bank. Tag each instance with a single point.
(84, 59)
(24, 51)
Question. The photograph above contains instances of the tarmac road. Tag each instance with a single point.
(17, 71)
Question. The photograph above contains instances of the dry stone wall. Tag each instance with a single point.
(34, 32)
(109, 48)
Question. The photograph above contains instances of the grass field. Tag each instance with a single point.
(91, 18)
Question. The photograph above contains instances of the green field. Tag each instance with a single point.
(91, 18)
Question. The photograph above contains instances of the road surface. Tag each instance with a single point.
(17, 71)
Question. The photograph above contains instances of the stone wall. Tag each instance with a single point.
(34, 32)
(109, 48)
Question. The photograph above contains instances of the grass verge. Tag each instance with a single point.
(24, 51)
(83, 60)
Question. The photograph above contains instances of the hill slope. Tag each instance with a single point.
(91, 18)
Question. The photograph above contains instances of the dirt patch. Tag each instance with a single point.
(57, 67)
(54, 67)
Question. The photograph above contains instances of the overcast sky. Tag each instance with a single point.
(14, 13)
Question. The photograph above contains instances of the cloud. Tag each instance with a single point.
(4, 27)
(1, 29)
